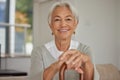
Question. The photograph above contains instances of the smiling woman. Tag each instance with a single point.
(46, 60)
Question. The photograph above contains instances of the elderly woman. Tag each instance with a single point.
(47, 59)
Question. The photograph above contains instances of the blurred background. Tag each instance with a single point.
(16, 38)
(23, 25)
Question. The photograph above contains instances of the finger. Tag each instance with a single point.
(73, 58)
(69, 52)
(57, 64)
(75, 62)
(79, 60)
(79, 70)
(65, 59)
(86, 58)
(78, 63)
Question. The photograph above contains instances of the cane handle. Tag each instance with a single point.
(62, 72)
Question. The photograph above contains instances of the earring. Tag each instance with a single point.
(52, 33)
(74, 32)
(74, 36)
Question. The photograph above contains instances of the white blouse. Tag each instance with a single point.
(51, 46)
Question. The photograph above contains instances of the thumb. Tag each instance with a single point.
(79, 70)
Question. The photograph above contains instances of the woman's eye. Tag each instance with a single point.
(57, 20)
(68, 19)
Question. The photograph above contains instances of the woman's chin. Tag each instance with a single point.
(64, 38)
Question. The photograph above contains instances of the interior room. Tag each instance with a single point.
(99, 27)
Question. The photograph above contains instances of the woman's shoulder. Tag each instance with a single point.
(42, 48)
(38, 49)
(84, 48)
(79, 44)
(83, 45)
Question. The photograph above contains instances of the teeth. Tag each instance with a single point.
(63, 30)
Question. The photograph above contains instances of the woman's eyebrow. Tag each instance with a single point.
(69, 16)
(56, 16)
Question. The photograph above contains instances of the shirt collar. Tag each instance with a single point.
(51, 47)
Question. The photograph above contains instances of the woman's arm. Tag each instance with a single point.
(88, 69)
(50, 72)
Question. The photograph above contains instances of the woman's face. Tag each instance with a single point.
(63, 23)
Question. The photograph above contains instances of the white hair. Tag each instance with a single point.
(66, 4)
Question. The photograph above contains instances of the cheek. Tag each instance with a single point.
(55, 26)
(52, 26)
(54, 29)
(73, 27)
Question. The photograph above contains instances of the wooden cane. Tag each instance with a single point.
(62, 72)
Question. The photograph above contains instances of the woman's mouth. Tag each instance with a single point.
(63, 30)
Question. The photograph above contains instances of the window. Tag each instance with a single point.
(3, 12)
(16, 26)
(23, 36)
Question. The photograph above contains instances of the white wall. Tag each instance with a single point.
(97, 27)
(118, 28)
(41, 30)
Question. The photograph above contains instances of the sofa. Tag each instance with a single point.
(106, 72)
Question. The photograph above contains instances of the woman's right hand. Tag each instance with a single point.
(50, 72)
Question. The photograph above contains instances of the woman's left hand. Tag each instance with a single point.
(76, 60)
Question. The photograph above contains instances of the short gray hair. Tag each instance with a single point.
(66, 4)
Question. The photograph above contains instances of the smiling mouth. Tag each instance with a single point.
(63, 30)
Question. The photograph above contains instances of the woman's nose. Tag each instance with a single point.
(63, 23)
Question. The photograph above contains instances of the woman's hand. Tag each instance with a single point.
(79, 62)
(74, 59)
(50, 72)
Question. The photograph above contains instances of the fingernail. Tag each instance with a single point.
(61, 58)
(67, 62)
(73, 63)
(76, 68)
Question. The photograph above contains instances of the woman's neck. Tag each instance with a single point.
(62, 45)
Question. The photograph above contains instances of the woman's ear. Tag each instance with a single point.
(50, 25)
(76, 23)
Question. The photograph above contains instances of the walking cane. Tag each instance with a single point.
(62, 72)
